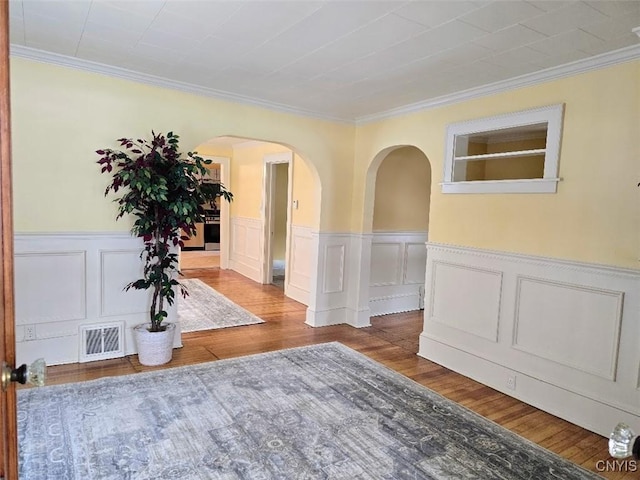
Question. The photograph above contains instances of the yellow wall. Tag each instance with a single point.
(214, 150)
(403, 186)
(306, 192)
(531, 166)
(247, 172)
(60, 116)
(520, 167)
(594, 217)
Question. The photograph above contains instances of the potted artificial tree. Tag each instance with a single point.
(164, 192)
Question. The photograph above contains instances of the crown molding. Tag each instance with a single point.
(123, 73)
(580, 66)
(622, 55)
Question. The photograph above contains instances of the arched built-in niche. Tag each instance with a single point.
(397, 212)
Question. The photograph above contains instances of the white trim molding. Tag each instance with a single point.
(623, 55)
(349, 284)
(268, 203)
(567, 330)
(574, 68)
(547, 120)
(298, 269)
(145, 78)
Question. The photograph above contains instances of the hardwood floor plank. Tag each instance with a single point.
(391, 340)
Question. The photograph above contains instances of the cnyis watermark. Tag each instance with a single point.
(618, 466)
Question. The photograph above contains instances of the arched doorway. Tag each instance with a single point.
(261, 244)
(397, 204)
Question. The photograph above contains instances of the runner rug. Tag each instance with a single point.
(206, 309)
(318, 412)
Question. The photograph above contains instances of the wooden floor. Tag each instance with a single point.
(190, 259)
(391, 340)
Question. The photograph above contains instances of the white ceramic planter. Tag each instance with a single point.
(154, 348)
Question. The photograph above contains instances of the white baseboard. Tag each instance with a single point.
(588, 413)
(359, 318)
(248, 270)
(297, 294)
(394, 304)
(325, 318)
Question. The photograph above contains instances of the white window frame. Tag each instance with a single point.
(551, 115)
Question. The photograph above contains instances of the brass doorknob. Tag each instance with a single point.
(35, 374)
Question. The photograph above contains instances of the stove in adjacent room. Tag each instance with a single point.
(212, 230)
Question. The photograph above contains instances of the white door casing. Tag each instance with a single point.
(225, 216)
(268, 211)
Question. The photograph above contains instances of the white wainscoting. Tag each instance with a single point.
(299, 267)
(329, 278)
(567, 331)
(64, 281)
(246, 247)
(360, 275)
(398, 262)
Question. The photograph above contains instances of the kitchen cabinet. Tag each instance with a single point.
(197, 240)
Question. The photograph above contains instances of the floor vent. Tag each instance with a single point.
(99, 342)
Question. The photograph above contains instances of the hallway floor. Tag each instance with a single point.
(191, 259)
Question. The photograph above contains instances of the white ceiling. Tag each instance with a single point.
(340, 59)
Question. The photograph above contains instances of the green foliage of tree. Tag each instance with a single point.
(164, 192)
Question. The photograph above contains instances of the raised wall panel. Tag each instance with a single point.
(569, 324)
(466, 299)
(246, 238)
(387, 264)
(415, 263)
(301, 255)
(119, 268)
(57, 292)
(253, 242)
(246, 245)
(239, 235)
(334, 263)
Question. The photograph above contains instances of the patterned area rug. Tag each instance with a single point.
(206, 309)
(319, 412)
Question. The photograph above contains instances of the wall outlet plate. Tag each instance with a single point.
(511, 382)
(29, 332)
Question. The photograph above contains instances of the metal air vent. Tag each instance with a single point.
(100, 342)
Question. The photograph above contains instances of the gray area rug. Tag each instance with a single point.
(319, 412)
(206, 309)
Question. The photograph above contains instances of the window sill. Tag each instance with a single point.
(529, 185)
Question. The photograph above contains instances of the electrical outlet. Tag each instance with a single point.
(511, 382)
(30, 332)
